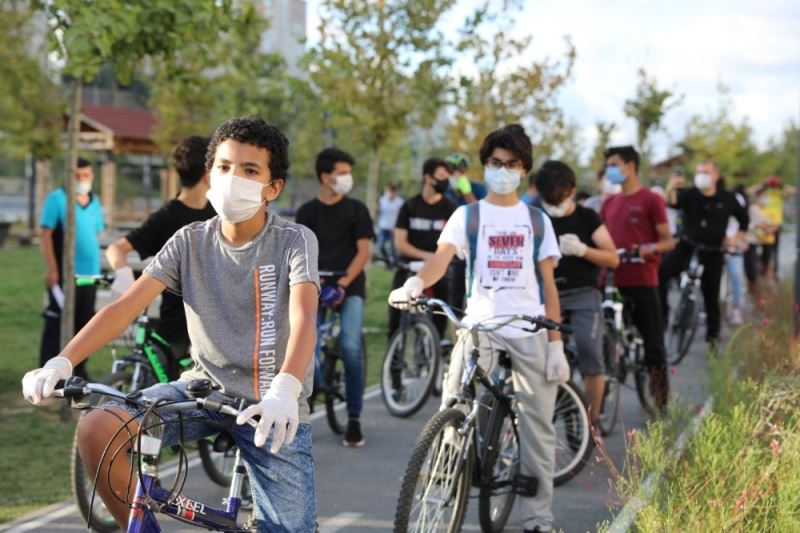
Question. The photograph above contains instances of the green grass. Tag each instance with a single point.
(34, 452)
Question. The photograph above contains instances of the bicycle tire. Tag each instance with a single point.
(644, 390)
(410, 367)
(218, 466)
(574, 443)
(612, 355)
(500, 452)
(430, 440)
(683, 327)
(94, 512)
(335, 390)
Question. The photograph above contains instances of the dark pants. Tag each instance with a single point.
(645, 311)
(51, 336)
(678, 260)
(440, 290)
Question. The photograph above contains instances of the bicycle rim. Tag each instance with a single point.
(433, 496)
(410, 368)
(218, 466)
(573, 438)
(335, 394)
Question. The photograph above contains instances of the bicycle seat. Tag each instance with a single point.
(223, 442)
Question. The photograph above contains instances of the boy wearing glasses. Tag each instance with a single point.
(511, 272)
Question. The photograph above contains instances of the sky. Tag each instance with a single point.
(753, 48)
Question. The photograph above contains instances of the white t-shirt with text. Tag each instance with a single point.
(504, 280)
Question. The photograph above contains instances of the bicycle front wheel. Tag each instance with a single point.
(500, 466)
(410, 367)
(683, 327)
(433, 496)
(333, 372)
(573, 437)
(612, 355)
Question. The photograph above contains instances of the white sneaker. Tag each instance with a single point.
(736, 317)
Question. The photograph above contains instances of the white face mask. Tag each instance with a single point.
(343, 185)
(556, 211)
(501, 180)
(83, 187)
(235, 199)
(702, 181)
(611, 188)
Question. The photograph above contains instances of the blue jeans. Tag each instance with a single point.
(735, 266)
(282, 483)
(386, 237)
(352, 318)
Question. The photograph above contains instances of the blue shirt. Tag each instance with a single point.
(88, 225)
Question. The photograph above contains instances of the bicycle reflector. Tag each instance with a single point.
(329, 295)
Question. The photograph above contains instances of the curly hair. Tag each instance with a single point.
(253, 130)
(328, 158)
(512, 138)
(189, 158)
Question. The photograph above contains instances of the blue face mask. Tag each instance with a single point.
(614, 175)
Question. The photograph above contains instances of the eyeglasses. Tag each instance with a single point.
(512, 164)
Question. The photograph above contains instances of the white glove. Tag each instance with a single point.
(123, 279)
(279, 407)
(410, 291)
(38, 384)
(570, 244)
(556, 366)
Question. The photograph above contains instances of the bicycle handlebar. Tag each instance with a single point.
(77, 388)
(540, 322)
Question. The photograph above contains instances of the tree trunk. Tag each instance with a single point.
(68, 255)
(372, 179)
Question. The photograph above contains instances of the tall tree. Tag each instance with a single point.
(648, 109)
(378, 69)
(604, 132)
(86, 35)
(507, 87)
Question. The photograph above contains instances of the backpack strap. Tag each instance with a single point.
(473, 225)
(537, 223)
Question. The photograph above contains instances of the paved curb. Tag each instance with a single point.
(624, 520)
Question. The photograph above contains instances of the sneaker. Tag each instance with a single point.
(736, 317)
(353, 438)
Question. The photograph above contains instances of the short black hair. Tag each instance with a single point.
(512, 138)
(432, 164)
(553, 180)
(189, 158)
(581, 196)
(255, 131)
(328, 158)
(83, 163)
(627, 153)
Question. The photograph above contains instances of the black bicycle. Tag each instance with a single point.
(412, 362)
(481, 448)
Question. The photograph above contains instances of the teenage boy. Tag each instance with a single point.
(344, 229)
(637, 219)
(191, 205)
(586, 246)
(419, 224)
(250, 287)
(510, 274)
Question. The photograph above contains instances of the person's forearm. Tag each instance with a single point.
(664, 245)
(435, 268)
(48, 251)
(356, 266)
(117, 254)
(552, 308)
(300, 348)
(603, 258)
(409, 250)
(671, 195)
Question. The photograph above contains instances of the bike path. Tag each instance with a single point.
(357, 488)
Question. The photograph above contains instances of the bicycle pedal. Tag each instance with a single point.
(526, 486)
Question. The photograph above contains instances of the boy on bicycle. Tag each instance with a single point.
(637, 218)
(344, 227)
(250, 288)
(586, 246)
(191, 205)
(511, 273)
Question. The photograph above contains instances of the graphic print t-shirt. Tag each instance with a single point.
(237, 301)
(504, 280)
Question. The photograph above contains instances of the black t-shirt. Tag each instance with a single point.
(577, 271)
(337, 228)
(424, 221)
(148, 239)
(705, 218)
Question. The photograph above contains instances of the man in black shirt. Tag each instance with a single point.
(344, 230)
(705, 209)
(191, 205)
(419, 223)
(586, 246)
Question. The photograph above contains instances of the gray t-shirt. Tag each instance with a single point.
(237, 301)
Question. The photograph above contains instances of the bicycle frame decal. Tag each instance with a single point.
(158, 368)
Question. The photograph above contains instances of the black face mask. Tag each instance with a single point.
(440, 186)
